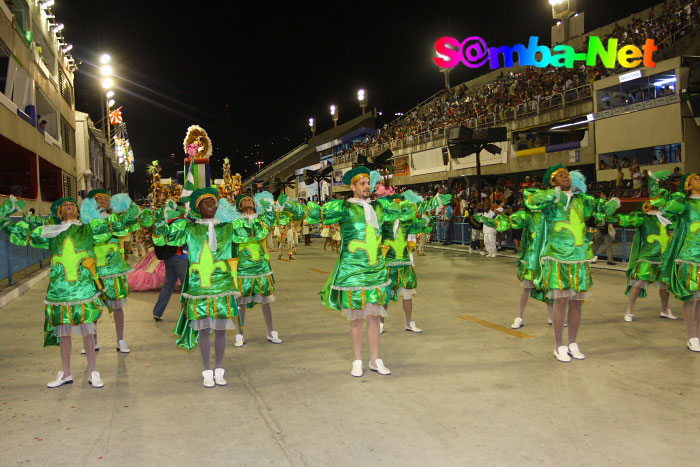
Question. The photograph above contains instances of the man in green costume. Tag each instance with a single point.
(208, 295)
(681, 266)
(359, 285)
(563, 250)
(73, 303)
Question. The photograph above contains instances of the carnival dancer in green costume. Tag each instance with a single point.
(111, 265)
(650, 242)
(529, 221)
(73, 303)
(564, 251)
(359, 284)
(398, 243)
(681, 266)
(255, 280)
(209, 293)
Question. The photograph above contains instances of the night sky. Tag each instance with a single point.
(252, 74)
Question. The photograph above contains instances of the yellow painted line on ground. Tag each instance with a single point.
(318, 270)
(488, 324)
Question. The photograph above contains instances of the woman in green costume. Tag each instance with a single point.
(359, 284)
(563, 251)
(399, 241)
(681, 266)
(73, 303)
(650, 242)
(529, 221)
(256, 282)
(209, 293)
(111, 265)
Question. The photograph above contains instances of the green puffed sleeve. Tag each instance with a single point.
(538, 200)
(676, 204)
(176, 233)
(10, 206)
(437, 201)
(500, 222)
(633, 219)
(409, 211)
(314, 212)
(102, 229)
(417, 227)
(143, 220)
(330, 213)
(390, 210)
(269, 218)
(606, 207)
(519, 219)
(20, 233)
(36, 240)
(283, 218)
(296, 210)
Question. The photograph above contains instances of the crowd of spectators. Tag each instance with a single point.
(525, 89)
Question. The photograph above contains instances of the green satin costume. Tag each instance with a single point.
(650, 242)
(360, 274)
(562, 248)
(399, 241)
(681, 266)
(209, 290)
(73, 295)
(255, 278)
(111, 263)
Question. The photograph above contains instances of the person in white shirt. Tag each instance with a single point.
(490, 232)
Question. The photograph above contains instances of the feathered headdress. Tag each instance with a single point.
(225, 212)
(120, 203)
(578, 181)
(89, 210)
(412, 196)
(374, 178)
(264, 201)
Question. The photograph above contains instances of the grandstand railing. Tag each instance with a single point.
(16, 261)
(533, 107)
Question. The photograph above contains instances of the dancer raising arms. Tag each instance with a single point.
(681, 266)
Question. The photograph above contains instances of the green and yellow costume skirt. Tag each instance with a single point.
(203, 313)
(116, 289)
(685, 280)
(256, 289)
(526, 277)
(644, 274)
(403, 281)
(565, 279)
(62, 319)
(359, 302)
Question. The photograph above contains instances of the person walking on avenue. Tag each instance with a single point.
(359, 286)
(175, 260)
(448, 222)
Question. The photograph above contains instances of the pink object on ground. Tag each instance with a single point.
(148, 274)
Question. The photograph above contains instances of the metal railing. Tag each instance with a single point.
(462, 235)
(16, 261)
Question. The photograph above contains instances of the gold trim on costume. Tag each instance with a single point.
(205, 195)
(357, 177)
(686, 187)
(554, 174)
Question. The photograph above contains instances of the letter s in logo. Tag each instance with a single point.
(448, 52)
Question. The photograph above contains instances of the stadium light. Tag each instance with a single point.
(361, 97)
(110, 103)
(106, 70)
(312, 125)
(107, 83)
(109, 94)
(556, 2)
(105, 58)
(59, 28)
(334, 115)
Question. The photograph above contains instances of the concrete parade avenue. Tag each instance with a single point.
(469, 390)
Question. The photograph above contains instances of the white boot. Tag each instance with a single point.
(219, 377)
(240, 342)
(208, 376)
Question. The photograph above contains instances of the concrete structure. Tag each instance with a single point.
(36, 85)
(468, 391)
(94, 154)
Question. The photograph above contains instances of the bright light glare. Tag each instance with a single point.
(556, 2)
(311, 122)
(332, 110)
(663, 82)
(47, 4)
(107, 83)
(110, 94)
(67, 48)
(59, 27)
(361, 95)
(106, 70)
(110, 103)
(105, 58)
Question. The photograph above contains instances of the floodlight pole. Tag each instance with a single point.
(478, 171)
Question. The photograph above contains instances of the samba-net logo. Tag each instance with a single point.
(474, 53)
